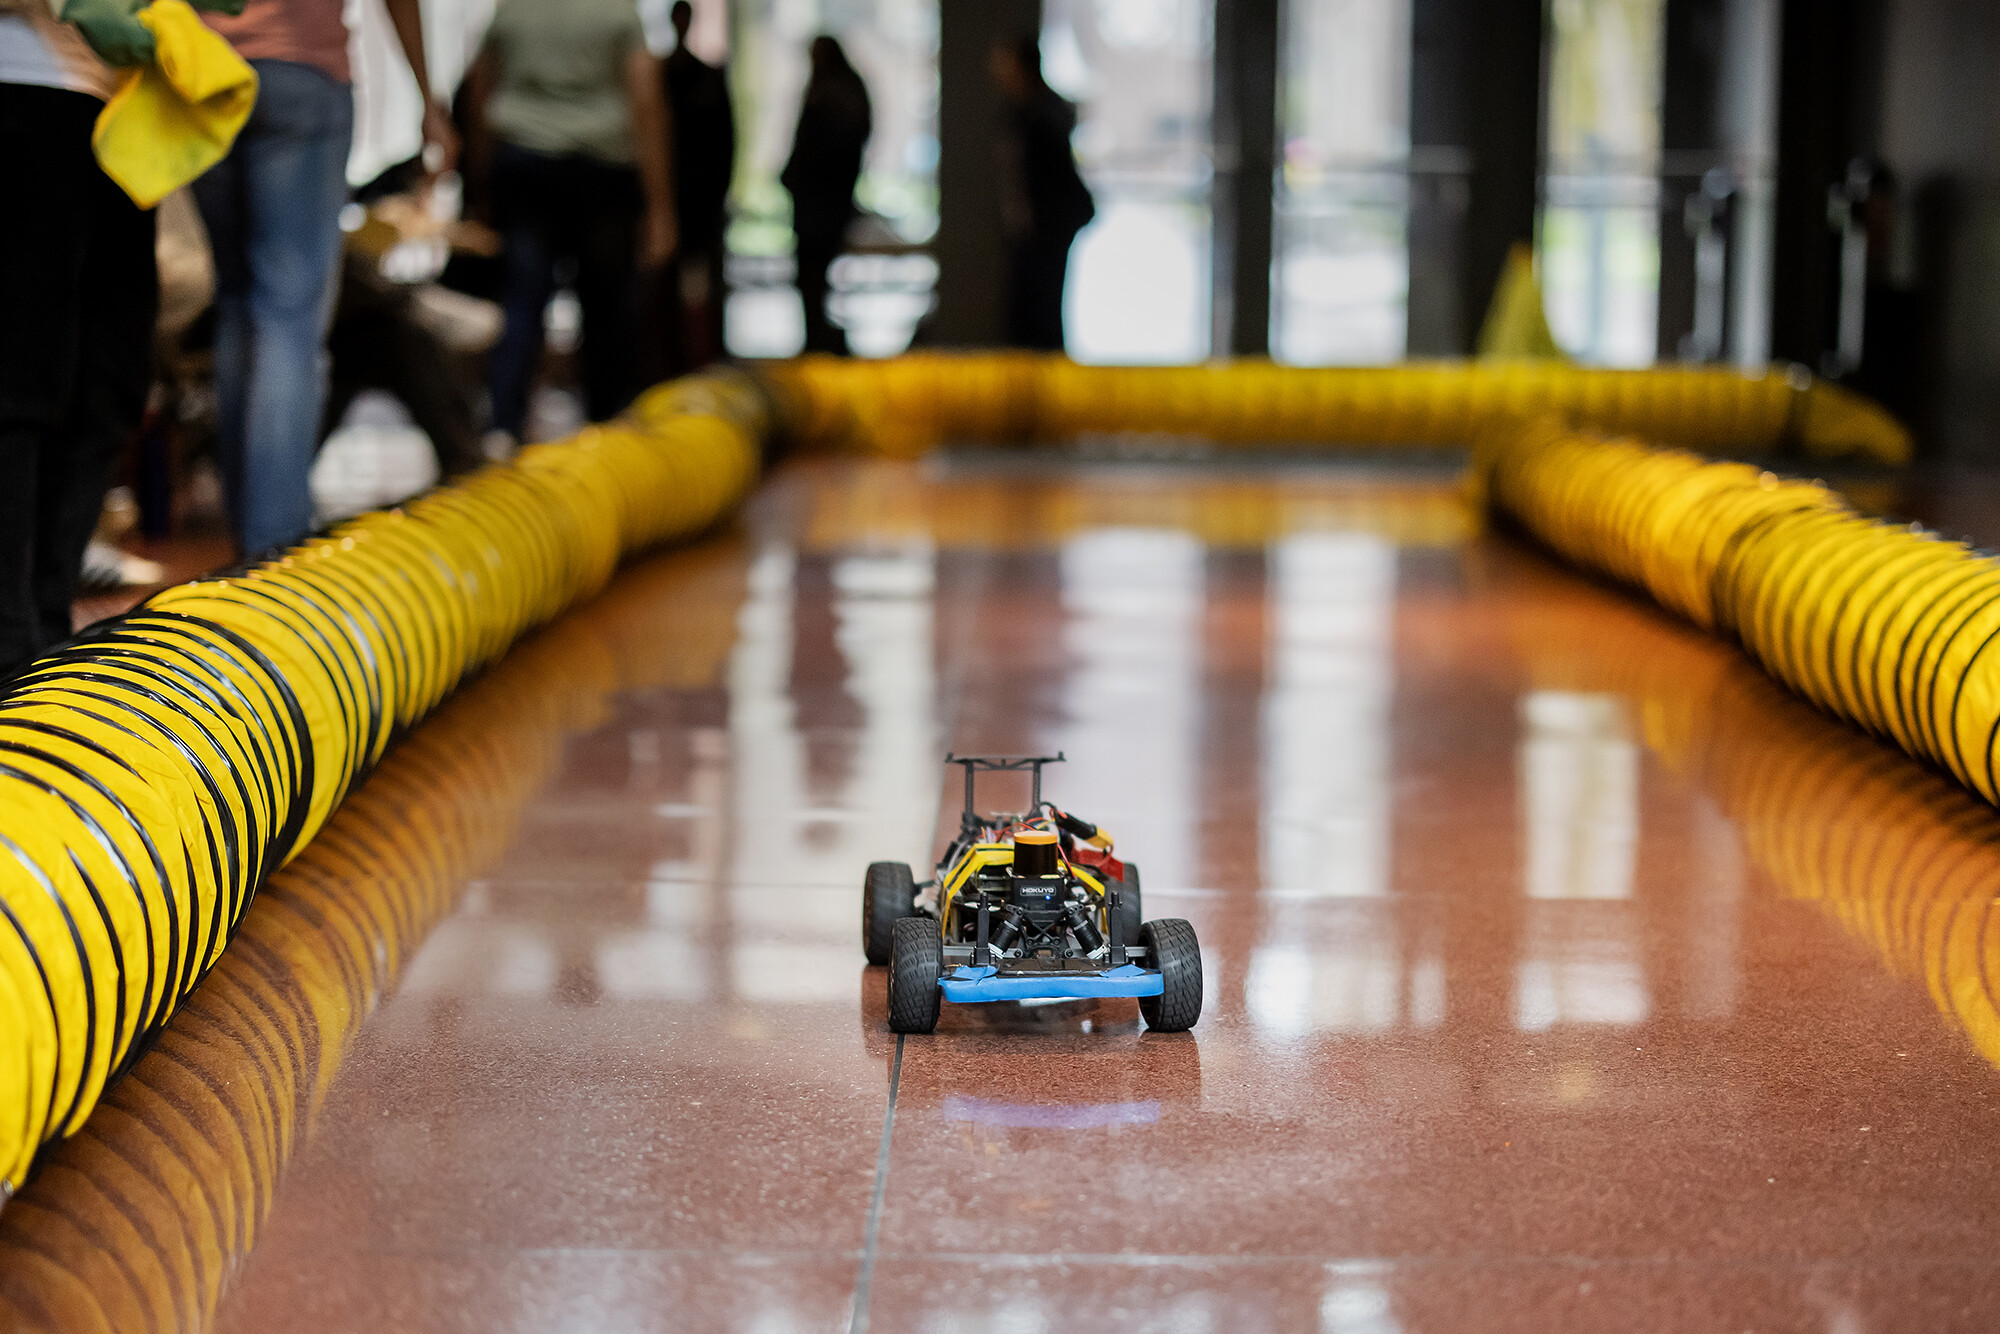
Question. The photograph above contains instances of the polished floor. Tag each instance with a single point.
(1562, 973)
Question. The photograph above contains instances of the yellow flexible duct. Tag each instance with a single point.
(153, 773)
(136, 1223)
(1889, 627)
(1898, 855)
(902, 408)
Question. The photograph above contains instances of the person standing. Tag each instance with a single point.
(835, 121)
(78, 296)
(1044, 200)
(272, 208)
(573, 105)
(690, 293)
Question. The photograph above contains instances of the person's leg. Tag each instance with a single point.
(709, 347)
(1017, 316)
(120, 302)
(294, 186)
(1045, 292)
(1036, 269)
(344, 381)
(521, 196)
(663, 321)
(606, 260)
(819, 245)
(218, 193)
(44, 139)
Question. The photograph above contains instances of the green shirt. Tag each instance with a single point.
(561, 76)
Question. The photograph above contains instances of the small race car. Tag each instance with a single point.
(1026, 907)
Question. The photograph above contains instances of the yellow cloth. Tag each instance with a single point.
(1516, 327)
(172, 120)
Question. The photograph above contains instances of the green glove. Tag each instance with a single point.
(218, 6)
(111, 30)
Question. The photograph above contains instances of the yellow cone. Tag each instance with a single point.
(1516, 325)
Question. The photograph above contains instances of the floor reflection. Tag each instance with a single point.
(1132, 600)
(1360, 981)
(1544, 940)
(137, 1222)
(1326, 787)
(1901, 857)
(1580, 781)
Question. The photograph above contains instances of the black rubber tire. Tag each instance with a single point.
(1177, 954)
(888, 895)
(916, 962)
(1131, 916)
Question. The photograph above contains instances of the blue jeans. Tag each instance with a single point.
(273, 213)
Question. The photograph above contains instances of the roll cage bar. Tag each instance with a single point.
(969, 820)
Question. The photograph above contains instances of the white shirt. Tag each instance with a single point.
(42, 53)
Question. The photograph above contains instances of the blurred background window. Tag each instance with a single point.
(1599, 227)
(1141, 74)
(1341, 259)
(884, 285)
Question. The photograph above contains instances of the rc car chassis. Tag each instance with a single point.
(1025, 907)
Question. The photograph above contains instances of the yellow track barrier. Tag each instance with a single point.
(904, 407)
(136, 1223)
(1889, 627)
(1899, 856)
(154, 772)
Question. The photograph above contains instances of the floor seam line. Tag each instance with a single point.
(866, 1278)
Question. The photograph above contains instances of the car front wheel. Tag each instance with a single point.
(916, 963)
(1177, 954)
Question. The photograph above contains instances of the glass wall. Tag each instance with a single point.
(1600, 232)
(1141, 74)
(1341, 262)
(883, 287)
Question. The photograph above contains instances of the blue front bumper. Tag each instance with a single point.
(965, 984)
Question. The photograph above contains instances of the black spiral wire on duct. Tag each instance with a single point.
(153, 773)
(1897, 854)
(1882, 624)
(136, 1222)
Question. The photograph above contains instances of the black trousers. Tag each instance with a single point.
(684, 306)
(558, 212)
(1037, 267)
(822, 234)
(78, 298)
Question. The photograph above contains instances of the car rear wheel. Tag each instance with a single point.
(1177, 954)
(1131, 916)
(888, 895)
(916, 962)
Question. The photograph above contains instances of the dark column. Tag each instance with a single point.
(970, 250)
(1691, 143)
(1246, 141)
(1826, 112)
(1475, 150)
